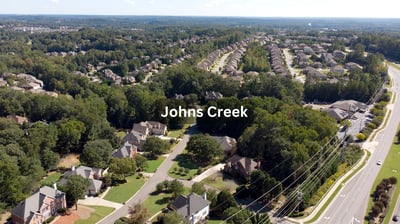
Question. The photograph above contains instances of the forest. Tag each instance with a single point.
(279, 132)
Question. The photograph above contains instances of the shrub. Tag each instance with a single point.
(361, 137)
(371, 125)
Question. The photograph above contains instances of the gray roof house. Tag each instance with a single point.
(337, 113)
(349, 105)
(127, 150)
(92, 174)
(194, 208)
(227, 144)
(39, 207)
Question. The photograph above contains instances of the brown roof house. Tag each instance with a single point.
(39, 207)
(241, 166)
(92, 174)
(150, 128)
(194, 208)
(19, 119)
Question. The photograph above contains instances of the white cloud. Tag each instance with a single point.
(131, 2)
(55, 1)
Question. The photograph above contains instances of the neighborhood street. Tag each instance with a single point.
(144, 192)
(351, 203)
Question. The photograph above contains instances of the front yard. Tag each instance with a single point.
(125, 191)
(183, 168)
(98, 213)
(152, 165)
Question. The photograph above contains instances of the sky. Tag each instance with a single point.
(237, 8)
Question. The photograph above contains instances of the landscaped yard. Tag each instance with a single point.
(98, 213)
(155, 203)
(183, 162)
(221, 182)
(179, 132)
(152, 165)
(390, 168)
(50, 179)
(213, 221)
(125, 191)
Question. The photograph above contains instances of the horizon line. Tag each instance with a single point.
(207, 16)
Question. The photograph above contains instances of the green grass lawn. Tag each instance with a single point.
(152, 165)
(221, 182)
(214, 221)
(52, 178)
(125, 191)
(155, 203)
(178, 132)
(183, 161)
(390, 168)
(99, 213)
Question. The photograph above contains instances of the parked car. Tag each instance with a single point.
(395, 218)
(379, 162)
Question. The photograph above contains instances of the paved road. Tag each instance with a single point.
(351, 203)
(221, 63)
(160, 175)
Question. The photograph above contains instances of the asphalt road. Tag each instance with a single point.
(396, 211)
(160, 175)
(351, 203)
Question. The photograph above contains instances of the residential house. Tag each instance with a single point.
(338, 69)
(127, 150)
(338, 114)
(351, 66)
(194, 208)
(227, 144)
(18, 119)
(212, 95)
(351, 106)
(39, 207)
(241, 166)
(150, 128)
(92, 174)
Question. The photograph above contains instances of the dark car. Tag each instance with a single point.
(395, 218)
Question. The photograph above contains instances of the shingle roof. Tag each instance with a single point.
(191, 204)
(35, 201)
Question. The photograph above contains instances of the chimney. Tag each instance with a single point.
(205, 195)
(55, 186)
(73, 168)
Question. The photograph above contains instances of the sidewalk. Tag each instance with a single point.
(99, 201)
(209, 172)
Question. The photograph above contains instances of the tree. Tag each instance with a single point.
(141, 162)
(97, 153)
(176, 188)
(76, 188)
(155, 146)
(224, 201)
(138, 214)
(198, 188)
(124, 166)
(236, 216)
(204, 148)
(69, 135)
(174, 218)
(11, 187)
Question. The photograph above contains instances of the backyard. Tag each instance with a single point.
(221, 182)
(152, 165)
(125, 191)
(51, 178)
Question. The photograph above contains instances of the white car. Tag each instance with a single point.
(379, 162)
